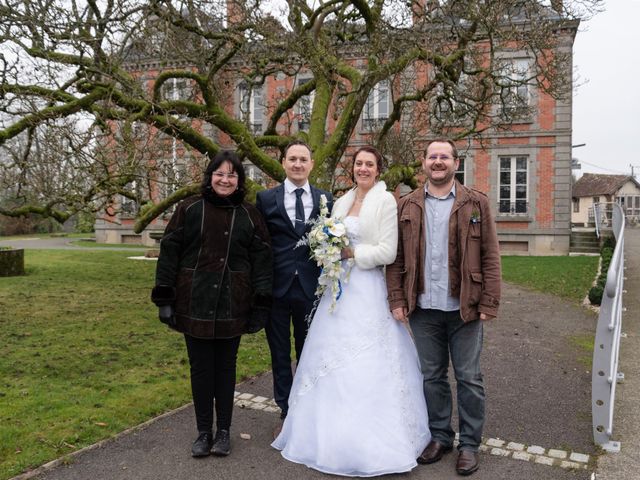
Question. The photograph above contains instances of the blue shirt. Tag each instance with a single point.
(436, 269)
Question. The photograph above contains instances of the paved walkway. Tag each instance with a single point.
(58, 243)
(538, 426)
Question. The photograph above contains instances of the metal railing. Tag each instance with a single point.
(601, 214)
(606, 347)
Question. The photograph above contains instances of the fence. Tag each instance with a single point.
(605, 373)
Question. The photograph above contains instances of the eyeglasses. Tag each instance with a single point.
(444, 158)
(221, 175)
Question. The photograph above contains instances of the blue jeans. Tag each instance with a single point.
(441, 335)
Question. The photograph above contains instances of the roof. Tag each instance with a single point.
(600, 184)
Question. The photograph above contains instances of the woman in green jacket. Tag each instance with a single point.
(213, 283)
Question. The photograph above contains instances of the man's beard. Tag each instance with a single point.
(442, 181)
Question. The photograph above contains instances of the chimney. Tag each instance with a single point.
(235, 12)
(557, 6)
(422, 9)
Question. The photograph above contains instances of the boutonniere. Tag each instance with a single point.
(475, 216)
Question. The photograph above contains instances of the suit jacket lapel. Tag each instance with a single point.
(315, 195)
(281, 208)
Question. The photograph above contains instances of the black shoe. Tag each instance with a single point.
(202, 446)
(222, 443)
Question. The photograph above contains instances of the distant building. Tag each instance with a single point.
(601, 188)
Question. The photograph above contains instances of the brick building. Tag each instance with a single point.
(524, 166)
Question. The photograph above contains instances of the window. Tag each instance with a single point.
(460, 171)
(376, 109)
(129, 207)
(630, 205)
(513, 192)
(251, 106)
(305, 105)
(453, 103)
(576, 205)
(445, 103)
(514, 89)
(253, 173)
(176, 89)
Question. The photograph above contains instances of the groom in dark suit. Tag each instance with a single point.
(286, 208)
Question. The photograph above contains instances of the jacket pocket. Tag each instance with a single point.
(183, 291)
(240, 293)
(476, 288)
(205, 294)
(407, 232)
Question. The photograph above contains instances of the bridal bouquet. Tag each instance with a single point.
(326, 239)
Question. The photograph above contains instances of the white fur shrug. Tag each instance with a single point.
(378, 225)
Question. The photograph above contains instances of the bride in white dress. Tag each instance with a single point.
(357, 406)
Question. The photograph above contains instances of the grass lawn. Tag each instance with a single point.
(84, 357)
(566, 277)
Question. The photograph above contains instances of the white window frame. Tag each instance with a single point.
(630, 204)
(377, 108)
(130, 207)
(515, 205)
(253, 173)
(447, 107)
(305, 106)
(251, 109)
(176, 89)
(515, 96)
(461, 172)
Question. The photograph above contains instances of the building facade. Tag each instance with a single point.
(594, 188)
(524, 166)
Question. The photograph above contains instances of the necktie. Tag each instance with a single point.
(299, 226)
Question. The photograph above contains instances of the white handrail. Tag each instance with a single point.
(606, 347)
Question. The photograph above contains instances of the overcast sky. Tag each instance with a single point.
(606, 102)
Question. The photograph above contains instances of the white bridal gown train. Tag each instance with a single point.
(357, 406)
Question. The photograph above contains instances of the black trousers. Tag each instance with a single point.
(213, 378)
(293, 307)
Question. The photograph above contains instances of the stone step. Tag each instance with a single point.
(580, 249)
(589, 235)
(586, 243)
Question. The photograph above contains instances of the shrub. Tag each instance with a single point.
(85, 222)
(606, 253)
(609, 242)
(595, 294)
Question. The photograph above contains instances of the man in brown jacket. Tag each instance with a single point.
(445, 282)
